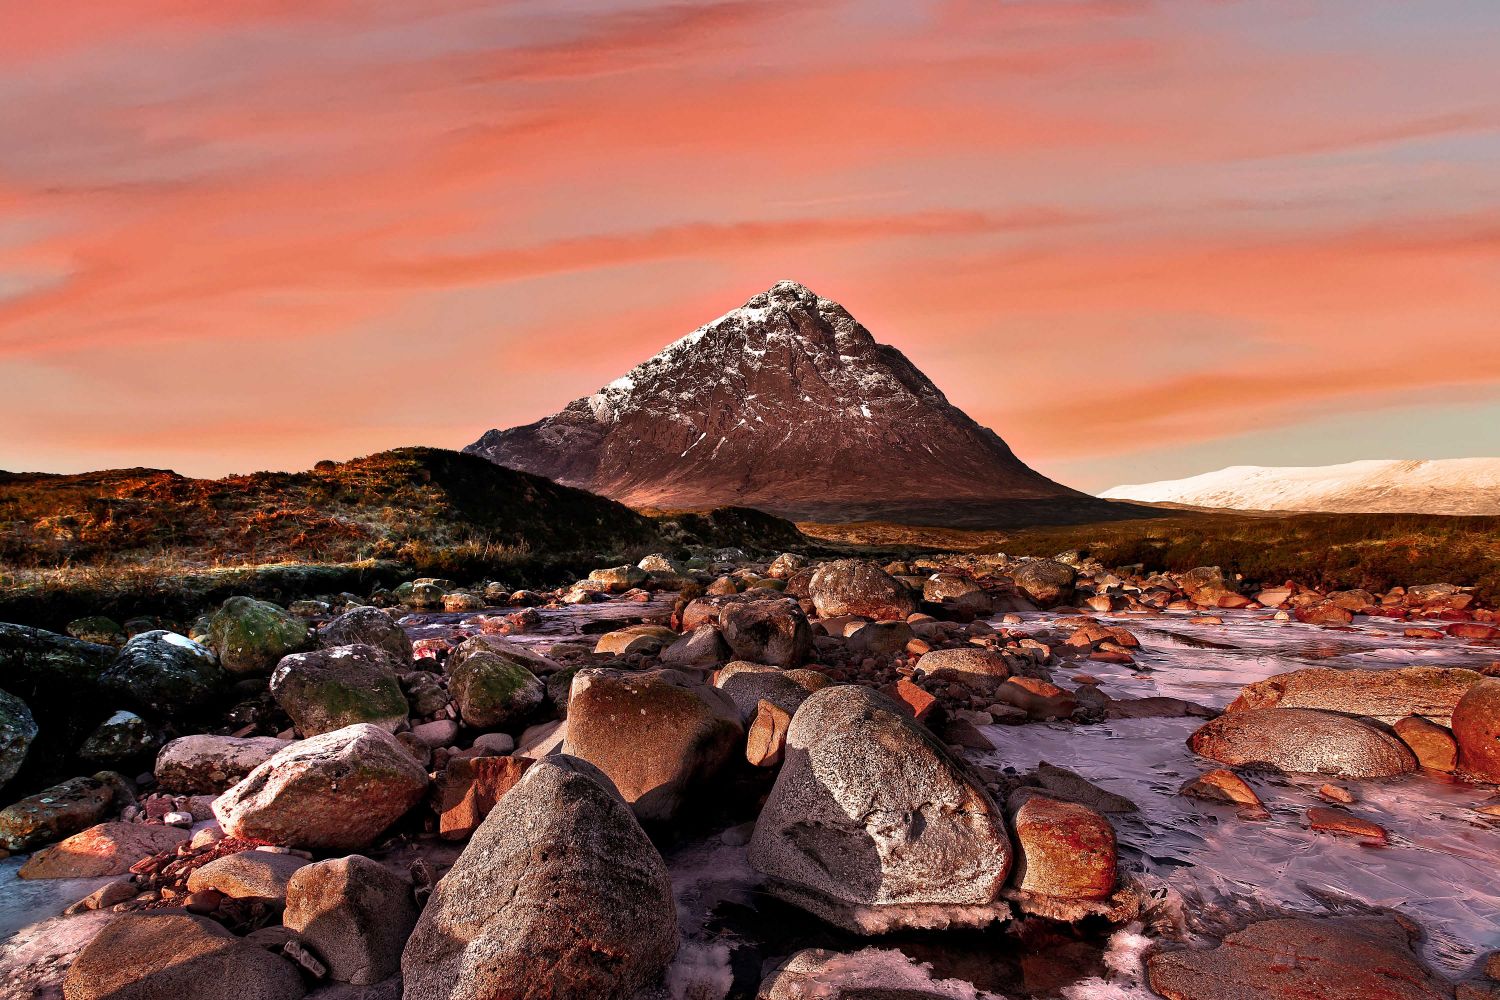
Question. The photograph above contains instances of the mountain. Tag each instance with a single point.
(1442, 486)
(787, 404)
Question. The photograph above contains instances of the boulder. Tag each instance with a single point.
(54, 813)
(703, 648)
(57, 677)
(559, 895)
(1064, 850)
(1303, 741)
(873, 826)
(660, 562)
(658, 735)
(164, 673)
(1220, 785)
(492, 691)
(252, 636)
(17, 730)
(469, 789)
(1045, 582)
(1476, 728)
(1039, 699)
(176, 956)
(1338, 958)
(867, 974)
(97, 628)
(646, 639)
(248, 875)
(772, 631)
(328, 689)
(366, 626)
(747, 684)
(879, 638)
(106, 849)
(1433, 745)
(355, 914)
(857, 587)
(335, 791)
(521, 656)
(207, 765)
(1387, 695)
(965, 663)
(786, 565)
(940, 587)
(1323, 614)
(122, 737)
(618, 579)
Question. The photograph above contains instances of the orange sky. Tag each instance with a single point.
(1139, 238)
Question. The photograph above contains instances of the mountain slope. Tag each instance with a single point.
(1443, 486)
(789, 405)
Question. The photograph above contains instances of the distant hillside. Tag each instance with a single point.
(404, 504)
(1445, 486)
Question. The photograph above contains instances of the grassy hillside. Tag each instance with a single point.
(1373, 551)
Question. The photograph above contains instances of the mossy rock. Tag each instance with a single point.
(252, 636)
(17, 730)
(165, 674)
(97, 628)
(494, 693)
(328, 689)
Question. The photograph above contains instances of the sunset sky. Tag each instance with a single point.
(1139, 238)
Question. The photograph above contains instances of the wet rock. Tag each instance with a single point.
(747, 684)
(210, 764)
(1064, 784)
(328, 689)
(1387, 695)
(868, 974)
(493, 691)
(54, 813)
(1323, 614)
(657, 735)
(1303, 741)
(1046, 582)
(1432, 744)
(176, 956)
(940, 587)
(164, 673)
(248, 875)
(1220, 785)
(366, 626)
(1064, 850)
(559, 894)
(106, 849)
(873, 826)
(17, 731)
(767, 631)
(1039, 699)
(335, 791)
(856, 587)
(1476, 728)
(252, 636)
(471, 786)
(355, 913)
(1348, 958)
(1346, 824)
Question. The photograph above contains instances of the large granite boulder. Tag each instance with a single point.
(774, 631)
(1297, 958)
(1476, 729)
(252, 636)
(331, 688)
(367, 626)
(207, 765)
(17, 730)
(176, 956)
(1387, 695)
(658, 735)
(336, 791)
(873, 826)
(164, 674)
(559, 896)
(857, 587)
(356, 914)
(1303, 741)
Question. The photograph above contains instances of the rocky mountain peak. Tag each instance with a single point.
(786, 403)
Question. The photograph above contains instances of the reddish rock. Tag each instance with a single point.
(1222, 785)
(1064, 849)
(248, 875)
(1348, 958)
(106, 849)
(917, 701)
(1433, 744)
(1387, 695)
(1303, 741)
(1473, 630)
(355, 913)
(1338, 821)
(965, 663)
(1038, 698)
(470, 788)
(1323, 614)
(857, 587)
(1476, 728)
(765, 741)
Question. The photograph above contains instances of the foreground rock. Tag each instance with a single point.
(1348, 958)
(856, 587)
(337, 791)
(174, 956)
(329, 689)
(106, 849)
(248, 875)
(559, 895)
(252, 636)
(54, 813)
(747, 684)
(355, 913)
(873, 826)
(1476, 728)
(1387, 695)
(1046, 582)
(205, 765)
(657, 735)
(1303, 741)
(1066, 851)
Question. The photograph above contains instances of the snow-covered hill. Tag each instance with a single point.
(1440, 486)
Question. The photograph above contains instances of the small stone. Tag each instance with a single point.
(1338, 821)
(766, 738)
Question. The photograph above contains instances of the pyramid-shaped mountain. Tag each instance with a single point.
(787, 404)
